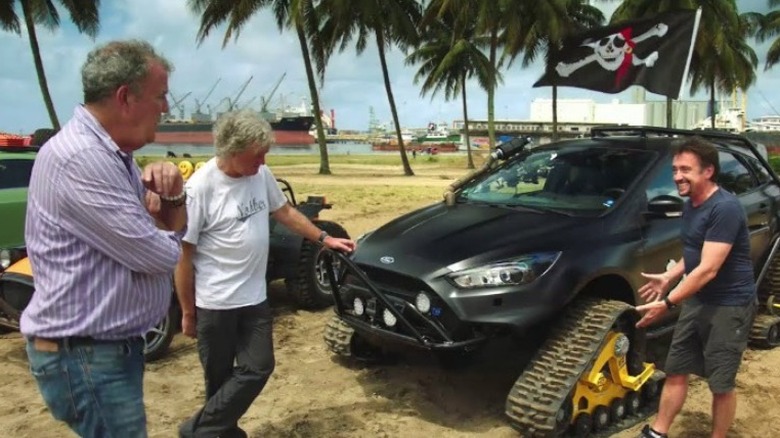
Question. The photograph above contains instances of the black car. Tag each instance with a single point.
(549, 242)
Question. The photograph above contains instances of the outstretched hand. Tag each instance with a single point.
(654, 289)
(650, 312)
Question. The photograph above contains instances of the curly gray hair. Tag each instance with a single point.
(118, 63)
(235, 131)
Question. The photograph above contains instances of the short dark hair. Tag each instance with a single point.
(42, 135)
(704, 151)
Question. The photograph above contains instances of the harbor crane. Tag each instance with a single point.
(177, 103)
(233, 104)
(198, 115)
(267, 100)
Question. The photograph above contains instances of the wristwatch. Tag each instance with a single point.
(176, 201)
(669, 304)
(323, 235)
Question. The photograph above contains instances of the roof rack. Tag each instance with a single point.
(647, 131)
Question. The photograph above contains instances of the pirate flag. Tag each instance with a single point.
(654, 53)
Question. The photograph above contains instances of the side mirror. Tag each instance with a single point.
(665, 206)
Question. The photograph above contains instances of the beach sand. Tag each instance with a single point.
(313, 394)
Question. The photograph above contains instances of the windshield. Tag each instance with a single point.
(585, 180)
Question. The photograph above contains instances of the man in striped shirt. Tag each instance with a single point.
(103, 238)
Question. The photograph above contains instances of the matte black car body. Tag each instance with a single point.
(598, 252)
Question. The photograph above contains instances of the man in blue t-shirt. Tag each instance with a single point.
(718, 294)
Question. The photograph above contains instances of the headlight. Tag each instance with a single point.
(358, 307)
(522, 270)
(422, 302)
(5, 258)
(388, 318)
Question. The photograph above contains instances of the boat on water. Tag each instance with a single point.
(289, 130)
(764, 130)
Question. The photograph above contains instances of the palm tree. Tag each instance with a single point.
(390, 22)
(84, 15)
(542, 26)
(299, 15)
(769, 26)
(721, 58)
(449, 56)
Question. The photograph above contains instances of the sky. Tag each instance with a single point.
(353, 83)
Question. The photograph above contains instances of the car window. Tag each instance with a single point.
(734, 176)
(15, 173)
(583, 179)
(759, 171)
(662, 183)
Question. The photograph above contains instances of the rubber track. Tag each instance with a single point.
(538, 394)
(761, 325)
(770, 285)
(337, 337)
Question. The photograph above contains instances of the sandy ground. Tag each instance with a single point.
(312, 394)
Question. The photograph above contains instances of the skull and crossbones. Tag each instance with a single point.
(615, 52)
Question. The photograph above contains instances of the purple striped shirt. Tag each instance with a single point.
(100, 265)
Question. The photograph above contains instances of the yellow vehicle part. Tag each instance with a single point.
(21, 267)
(186, 169)
(608, 378)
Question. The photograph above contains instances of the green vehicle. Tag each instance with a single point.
(15, 168)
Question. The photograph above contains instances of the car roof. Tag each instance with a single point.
(656, 139)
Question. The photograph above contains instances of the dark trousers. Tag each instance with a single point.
(237, 354)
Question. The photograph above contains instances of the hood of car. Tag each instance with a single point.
(431, 239)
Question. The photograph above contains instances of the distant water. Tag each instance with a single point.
(155, 149)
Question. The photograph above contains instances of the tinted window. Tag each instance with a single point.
(15, 173)
(759, 171)
(734, 176)
(662, 183)
(590, 178)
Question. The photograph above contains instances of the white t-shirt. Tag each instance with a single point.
(228, 223)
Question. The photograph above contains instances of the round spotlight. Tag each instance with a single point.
(389, 319)
(621, 345)
(422, 302)
(358, 307)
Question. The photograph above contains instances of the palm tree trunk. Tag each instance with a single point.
(315, 100)
(492, 90)
(669, 115)
(36, 52)
(470, 163)
(380, 42)
(554, 113)
(712, 103)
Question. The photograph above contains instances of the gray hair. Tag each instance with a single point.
(235, 131)
(118, 63)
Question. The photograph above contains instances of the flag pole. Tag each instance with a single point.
(690, 50)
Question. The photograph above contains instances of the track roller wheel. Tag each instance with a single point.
(617, 409)
(582, 425)
(632, 403)
(651, 390)
(765, 332)
(600, 418)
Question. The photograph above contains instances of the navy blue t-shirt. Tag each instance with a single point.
(720, 219)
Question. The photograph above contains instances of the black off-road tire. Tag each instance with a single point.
(310, 286)
(158, 339)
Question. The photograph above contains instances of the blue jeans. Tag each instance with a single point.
(96, 388)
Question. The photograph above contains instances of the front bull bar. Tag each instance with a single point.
(417, 338)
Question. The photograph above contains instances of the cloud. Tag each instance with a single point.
(352, 86)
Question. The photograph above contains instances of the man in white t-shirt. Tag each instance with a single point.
(220, 278)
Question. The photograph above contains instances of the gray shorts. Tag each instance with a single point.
(709, 341)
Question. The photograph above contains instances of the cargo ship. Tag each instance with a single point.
(289, 130)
